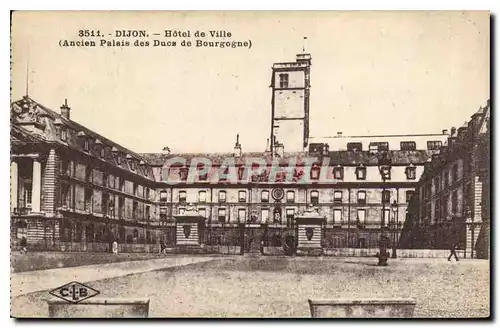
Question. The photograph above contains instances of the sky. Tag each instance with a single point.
(372, 73)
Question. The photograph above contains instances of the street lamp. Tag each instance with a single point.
(384, 168)
(394, 208)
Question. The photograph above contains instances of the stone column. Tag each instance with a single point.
(36, 186)
(14, 180)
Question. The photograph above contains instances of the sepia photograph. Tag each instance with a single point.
(250, 164)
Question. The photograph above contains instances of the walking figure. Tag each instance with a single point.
(453, 252)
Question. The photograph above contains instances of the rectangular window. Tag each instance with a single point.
(290, 196)
(135, 210)
(361, 197)
(338, 172)
(387, 217)
(202, 196)
(314, 197)
(222, 196)
(409, 195)
(264, 215)
(202, 212)
(434, 145)
(88, 199)
(386, 196)
(337, 197)
(88, 174)
(283, 80)
(264, 196)
(221, 215)
(408, 145)
(337, 217)
(354, 146)
(361, 217)
(445, 178)
(242, 196)
(163, 196)
(290, 214)
(147, 212)
(121, 206)
(242, 213)
(182, 196)
(65, 195)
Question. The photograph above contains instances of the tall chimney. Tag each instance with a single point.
(237, 147)
(65, 110)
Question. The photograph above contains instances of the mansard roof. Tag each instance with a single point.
(343, 157)
(27, 110)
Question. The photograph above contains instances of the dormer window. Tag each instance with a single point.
(61, 129)
(315, 170)
(131, 162)
(338, 172)
(99, 148)
(85, 140)
(411, 172)
(117, 154)
(143, 165)
(64, 133)
(361, 172)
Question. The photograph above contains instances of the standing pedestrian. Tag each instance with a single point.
(24, 245)
(453, 252)
(115, 247)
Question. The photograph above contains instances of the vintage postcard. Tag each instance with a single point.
(250, 164)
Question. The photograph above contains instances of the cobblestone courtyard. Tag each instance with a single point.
(280, 287)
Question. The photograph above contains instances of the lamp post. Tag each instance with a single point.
(394, 208)
(384, 167)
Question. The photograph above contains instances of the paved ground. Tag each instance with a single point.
(280, 287)
(33, 281)
(51, 260)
